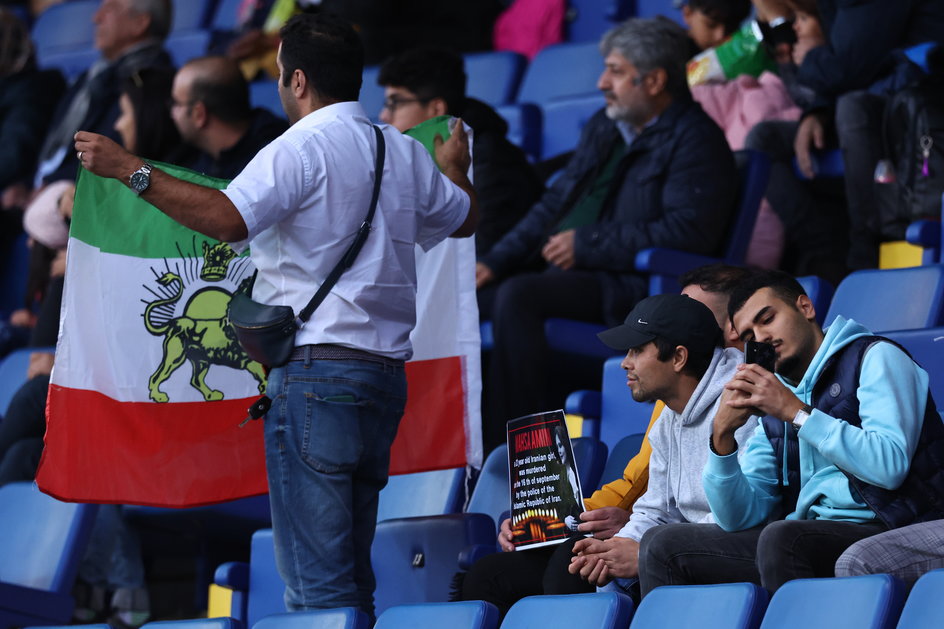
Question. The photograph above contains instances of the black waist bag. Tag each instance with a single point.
(267, 333)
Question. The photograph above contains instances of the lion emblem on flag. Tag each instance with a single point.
(201, 334)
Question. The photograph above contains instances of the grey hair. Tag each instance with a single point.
(161, 12)
(650, 43)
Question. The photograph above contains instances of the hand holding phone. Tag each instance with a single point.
(762, 354)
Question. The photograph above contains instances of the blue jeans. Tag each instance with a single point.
(327, 437)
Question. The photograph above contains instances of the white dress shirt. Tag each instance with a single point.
(304, 196)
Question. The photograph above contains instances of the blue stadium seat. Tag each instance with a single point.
(652, 8)
(71, 63)
(372, 95)
(64, 27)
(820, 293)
(191, 15)
(13, 373)
(187, 45)
(225, 14)
(891, 299)
(524, 127)
(414, 559)
(562, 70)
(587, 20)
(493, 77)
(925, 605)
(458, 615)
(491, 494)
(265, 93)
(927, 235)
(624, 450)
(926, 346)
(42, 541)
(257, 589)
(724, 606)
(867, 602)
(564, 119)
(196, 623)
(422, 493)
(611, 413)
(601, 610)
(339, 618)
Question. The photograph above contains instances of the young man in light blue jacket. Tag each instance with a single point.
(846, 450)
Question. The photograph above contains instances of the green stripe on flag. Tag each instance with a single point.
(109, 216)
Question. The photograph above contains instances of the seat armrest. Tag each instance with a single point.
(669, 261)
(585, 402)
(234, 575)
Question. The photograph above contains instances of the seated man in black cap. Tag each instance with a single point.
(674, 354)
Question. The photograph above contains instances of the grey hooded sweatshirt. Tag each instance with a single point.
(680, 451)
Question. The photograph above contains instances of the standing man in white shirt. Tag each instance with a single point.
(338, 402)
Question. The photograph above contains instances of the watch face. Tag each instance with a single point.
(140, 181)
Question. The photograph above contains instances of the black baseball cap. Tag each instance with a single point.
(678, 319)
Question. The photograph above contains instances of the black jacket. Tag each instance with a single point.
(263, 128)
(505, 181)
(675, 187)
(862, 34)
(27, 102)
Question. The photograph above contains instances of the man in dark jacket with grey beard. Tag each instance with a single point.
(651, 170)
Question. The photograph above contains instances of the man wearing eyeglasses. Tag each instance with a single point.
(427, 82)
(650, 170)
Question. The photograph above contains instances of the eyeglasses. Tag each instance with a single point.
(391, 104)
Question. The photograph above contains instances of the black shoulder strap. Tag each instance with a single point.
(351, 254)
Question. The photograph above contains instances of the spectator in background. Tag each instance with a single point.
(427, 82)
(129, 34)
(28, 97)
(711, 22)
(651, 170)
(210, 107)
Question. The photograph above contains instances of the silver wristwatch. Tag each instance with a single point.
(801, 416)
(140, 179)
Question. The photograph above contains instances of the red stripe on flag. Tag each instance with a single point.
(432, 433)
(178, 455)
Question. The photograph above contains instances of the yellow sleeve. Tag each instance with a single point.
(623, 492)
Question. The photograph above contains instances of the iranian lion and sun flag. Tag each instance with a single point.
(150, 386)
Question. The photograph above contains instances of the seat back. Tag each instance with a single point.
(868, 602)
(196, 623)
(524, 127)
(265, 93)
(225, 15)
(723, 606)
(926, 346)
(820, 293)
(492, 494)
(891, 299)
(187, 45)
(624, 450)
(266, 587)
(493, 77)
(620, 414)
(12, 375)
(42, 539)
(587, 20)
(561, 70)
(65, 26)
(458, 615)
(600, 610)
(925, 605)
(338, 618)
(590, 456)
(422, 493)
(415, 559)
(371, 96)
(190, 15)
(564, 119)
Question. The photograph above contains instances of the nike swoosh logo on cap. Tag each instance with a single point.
(642, 322)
